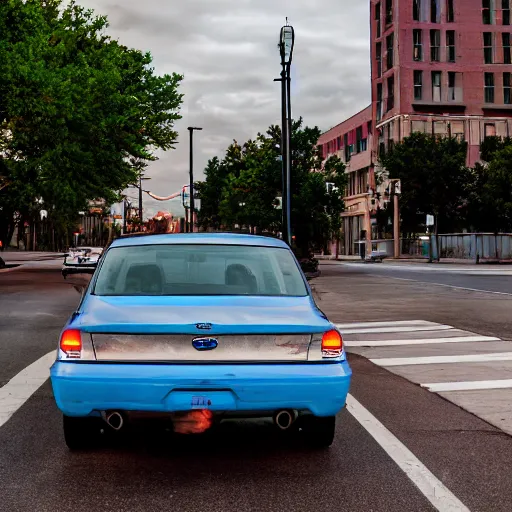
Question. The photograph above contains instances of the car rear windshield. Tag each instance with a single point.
(153, 270)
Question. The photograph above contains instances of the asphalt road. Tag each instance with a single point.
(246, 466)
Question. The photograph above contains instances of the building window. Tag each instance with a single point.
(450, 45)
(338, 142)
(505, 15)
(418, 85)
(435, 11)
(489, 130)
(347, 149)
(418, 127)
(359, 139)
(436, 86)
(457, 130)
(507, 91)
(379, 102)
(417, 35)
(450, 12)
(451, 86)
(489, 87)
(389, 12)
(507, 57)
(435, 45)
(416, 10)
(440, 128)
(488, 48)
(377, 19)
(487, 14)
(378, 56)
(389, 51)
(391, 93)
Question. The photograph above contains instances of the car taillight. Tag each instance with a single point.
(71, 343)
(332, 344)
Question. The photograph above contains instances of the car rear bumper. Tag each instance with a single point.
(82, 389)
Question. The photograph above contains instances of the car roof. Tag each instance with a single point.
(199, 239)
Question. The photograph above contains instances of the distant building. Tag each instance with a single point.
(352, 142)
(442, 67)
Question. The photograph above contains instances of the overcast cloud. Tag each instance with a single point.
(227, 51)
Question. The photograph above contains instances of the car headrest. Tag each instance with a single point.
(145, 279)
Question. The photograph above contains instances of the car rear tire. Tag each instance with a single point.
(81, 433)
(319, 431)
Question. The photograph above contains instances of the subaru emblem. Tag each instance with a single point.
(203, 344)
(204, 327)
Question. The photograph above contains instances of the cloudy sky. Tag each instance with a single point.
(227, 51)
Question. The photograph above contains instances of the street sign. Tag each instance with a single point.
(430, 220)
(278, 203)
(398, 187)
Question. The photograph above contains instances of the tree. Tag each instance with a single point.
(490, 201)
(242, 188)
(75, 105)
(434, 180)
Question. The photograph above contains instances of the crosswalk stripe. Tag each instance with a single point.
(22, 386)
(468, 386)
(384, 330)
(427, 341)
(473, 358)
(396, 323)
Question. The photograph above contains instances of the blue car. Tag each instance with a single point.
(217, 325)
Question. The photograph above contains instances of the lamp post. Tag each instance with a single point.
(286, 45)
(191, 130)
(140, 196)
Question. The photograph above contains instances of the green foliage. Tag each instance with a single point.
(75, 106)
(243, 187)
(434, 180)
(490, 200)
(491, 145)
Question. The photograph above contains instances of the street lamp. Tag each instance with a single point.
(286, 45)
(191, 130)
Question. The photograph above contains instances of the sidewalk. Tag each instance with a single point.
(16, 257)
(450, 266)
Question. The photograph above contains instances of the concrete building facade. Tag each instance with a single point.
(442, 67)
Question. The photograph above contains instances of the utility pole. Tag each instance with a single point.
(140, 200)
(396, 184)
(191, 130)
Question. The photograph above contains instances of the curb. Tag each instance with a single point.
(11, 268)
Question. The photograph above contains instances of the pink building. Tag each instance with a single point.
(442, 67)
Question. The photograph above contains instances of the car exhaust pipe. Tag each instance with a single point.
(284, 419)
(114, 420)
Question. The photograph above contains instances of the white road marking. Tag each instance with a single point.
(473, 358)
(468, 386)
(432, 488)
(384, 324)
(397, 329)
(21, 387)
(443, 285)
(428, 341)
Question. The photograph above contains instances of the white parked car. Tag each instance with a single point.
(81, 260)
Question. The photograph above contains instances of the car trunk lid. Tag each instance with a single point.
(201, 329)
